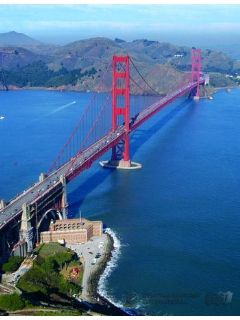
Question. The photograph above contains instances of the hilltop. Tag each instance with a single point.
(14, 38)
(79, 65)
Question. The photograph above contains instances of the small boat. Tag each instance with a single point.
(2, 117)
(210, 98)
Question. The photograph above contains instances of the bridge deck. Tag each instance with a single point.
(84, 159)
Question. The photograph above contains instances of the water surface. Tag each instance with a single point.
(177, 218)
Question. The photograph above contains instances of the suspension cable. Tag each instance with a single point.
(87, 108)
(147, 83)
(135, 82)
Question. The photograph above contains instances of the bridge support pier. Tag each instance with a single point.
(196, 98)
(42, 177)
(2, 204)
(120, 164)
(64, 203)
(26, 230)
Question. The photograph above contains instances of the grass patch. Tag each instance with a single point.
(58, 313)
(51, 248)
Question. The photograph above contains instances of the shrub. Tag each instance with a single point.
(67, 287)
(63, 258)
(34, 281)
(12, 264)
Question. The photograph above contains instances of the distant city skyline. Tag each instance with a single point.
(185, 24)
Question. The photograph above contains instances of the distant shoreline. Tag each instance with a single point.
(66, 88)
(69, 88)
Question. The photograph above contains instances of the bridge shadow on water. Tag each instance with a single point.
(138, 139)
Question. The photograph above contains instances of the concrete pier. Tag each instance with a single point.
(2, 204)
(26, 230)
(120, 164)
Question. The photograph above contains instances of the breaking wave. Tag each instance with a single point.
(112, 263)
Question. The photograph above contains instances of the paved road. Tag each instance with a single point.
(153, 108)
(88, 252)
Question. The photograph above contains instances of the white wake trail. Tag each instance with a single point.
(62, 107)
(53, 112)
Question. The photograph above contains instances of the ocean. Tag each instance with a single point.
(176, 220)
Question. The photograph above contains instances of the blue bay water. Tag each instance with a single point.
(177, 218)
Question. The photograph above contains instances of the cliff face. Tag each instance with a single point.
(81, 64)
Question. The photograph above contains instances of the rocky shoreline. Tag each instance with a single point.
(95, 276)
(97, 302)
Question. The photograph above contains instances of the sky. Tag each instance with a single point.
(176, 23)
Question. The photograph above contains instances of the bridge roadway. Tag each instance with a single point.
(84, 159)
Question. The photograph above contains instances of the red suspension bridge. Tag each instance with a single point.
(105, 124)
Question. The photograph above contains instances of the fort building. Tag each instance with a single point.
(72, 231)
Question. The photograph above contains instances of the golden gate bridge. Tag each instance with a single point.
(105, 124)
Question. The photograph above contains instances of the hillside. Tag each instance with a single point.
(80, 64)
(16, 39)
(14, 57)
(84, 52)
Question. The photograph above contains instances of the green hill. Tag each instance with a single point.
(81, 64)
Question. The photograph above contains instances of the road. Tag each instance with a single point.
(88, 251)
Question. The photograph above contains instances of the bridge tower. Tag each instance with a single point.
(120, 107)
(196, 68)
(121, 114)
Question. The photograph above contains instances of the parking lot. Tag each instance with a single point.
(91, 252)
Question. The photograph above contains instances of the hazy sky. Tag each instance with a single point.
(64, 23)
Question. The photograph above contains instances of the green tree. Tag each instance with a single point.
(63, 258)
(45, 277)
(12, 264)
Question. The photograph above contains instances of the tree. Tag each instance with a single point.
(63, 258)
(12, 264)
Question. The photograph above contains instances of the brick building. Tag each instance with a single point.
(72, 231)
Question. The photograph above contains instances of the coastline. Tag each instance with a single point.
(65, 88)
(95, 276)
(69, 88)
(213, 90)
(100, 303)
